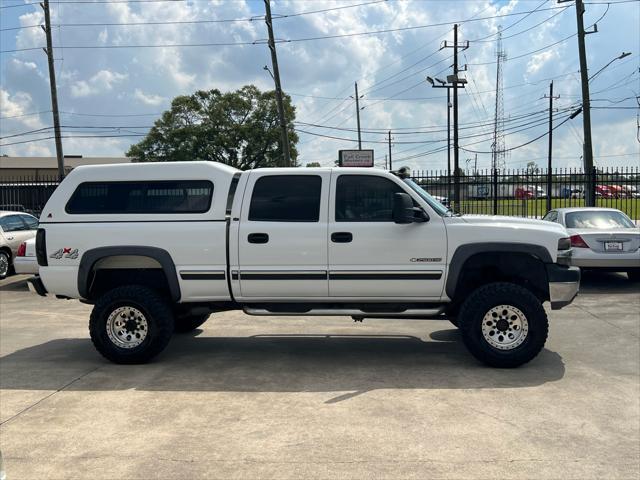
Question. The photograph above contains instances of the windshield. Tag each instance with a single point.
(433, 203)
(598, 219)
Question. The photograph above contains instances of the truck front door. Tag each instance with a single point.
(282, 242)
(370, 256)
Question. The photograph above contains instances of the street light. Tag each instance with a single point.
(622, 55)
(452, 79)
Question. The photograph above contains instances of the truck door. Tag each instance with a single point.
(282, 244)
(369, 254)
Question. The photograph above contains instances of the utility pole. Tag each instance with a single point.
(358, 117)
(549, 164)
(54, 90)
(390, 164)
(456, 153)
(589, 197)
(276, 77)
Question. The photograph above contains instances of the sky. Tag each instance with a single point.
(114, 81)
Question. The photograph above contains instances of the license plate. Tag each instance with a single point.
(613, 246)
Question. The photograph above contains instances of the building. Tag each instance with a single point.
(46, 168)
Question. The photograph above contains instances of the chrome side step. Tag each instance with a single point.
(413, 313)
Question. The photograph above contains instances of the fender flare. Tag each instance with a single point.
(464, 252)
(90, 257)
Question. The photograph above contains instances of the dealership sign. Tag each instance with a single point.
(355, 158)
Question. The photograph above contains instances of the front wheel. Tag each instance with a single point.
(503, 325)
(131, 324)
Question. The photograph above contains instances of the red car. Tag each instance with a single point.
(523, 192)
(618, 191)
(604, 191)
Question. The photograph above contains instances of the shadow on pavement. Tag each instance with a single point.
(596, 282)
(275, 363)
(15, 283)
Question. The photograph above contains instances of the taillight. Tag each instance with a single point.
(22, 249)
(578, 242)
(41, 247)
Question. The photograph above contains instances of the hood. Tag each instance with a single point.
(512, 221)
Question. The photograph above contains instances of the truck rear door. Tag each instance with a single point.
(282, 237)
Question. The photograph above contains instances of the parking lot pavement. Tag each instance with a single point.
(250, 397)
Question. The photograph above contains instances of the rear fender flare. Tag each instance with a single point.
(90, 257)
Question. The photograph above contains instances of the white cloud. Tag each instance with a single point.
(539, 60)
(101, 82)
(148, 98)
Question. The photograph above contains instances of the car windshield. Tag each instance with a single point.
(433, 203)
(598, 219)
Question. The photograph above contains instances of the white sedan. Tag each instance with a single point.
(601, 238)
(25, 261)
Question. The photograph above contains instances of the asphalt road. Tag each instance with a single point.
(251, 397)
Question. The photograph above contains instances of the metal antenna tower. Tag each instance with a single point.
(498, 148)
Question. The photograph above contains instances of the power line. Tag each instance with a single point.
(256, 18)
(293, 40)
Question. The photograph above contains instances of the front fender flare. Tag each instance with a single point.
(464, 252)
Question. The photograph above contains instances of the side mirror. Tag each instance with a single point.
(404, 211)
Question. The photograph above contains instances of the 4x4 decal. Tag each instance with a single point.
(66, 252)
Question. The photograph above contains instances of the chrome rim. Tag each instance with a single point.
(127, 327)
(4, 264)
(505, 327)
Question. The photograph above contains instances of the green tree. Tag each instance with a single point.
(313, 164)
(238, 128)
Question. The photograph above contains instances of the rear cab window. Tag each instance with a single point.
(141, 197)
(286, 198)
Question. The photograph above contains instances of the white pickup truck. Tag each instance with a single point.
(157, 248)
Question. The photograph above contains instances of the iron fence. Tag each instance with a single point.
(522, 193)
(27, 194)
(526, 193)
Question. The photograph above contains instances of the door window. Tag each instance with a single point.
(286, 198)
(12, 223)
(365, 198)
(552, 216)
(32, 222)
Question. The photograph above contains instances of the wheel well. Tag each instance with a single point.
(8, 251)
(522, 269)
(119, 270)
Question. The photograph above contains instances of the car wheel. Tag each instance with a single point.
(634, 275)
(189, 323)
(503, 325)
(131, 324)
(5, 263)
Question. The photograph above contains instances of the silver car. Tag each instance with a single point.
(601, 238)
(15, 228)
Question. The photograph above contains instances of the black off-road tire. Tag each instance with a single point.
(158, 316)
(480, 303)
(189, 323)
(634, 275)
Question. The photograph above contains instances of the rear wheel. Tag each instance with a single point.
(634, 275)
(189, 323)
(503, 325)
(131, 324)
(5, 263)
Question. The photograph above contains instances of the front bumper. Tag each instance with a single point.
(564, 283)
